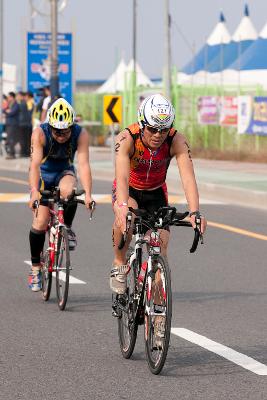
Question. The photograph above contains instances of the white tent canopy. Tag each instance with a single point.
(116, 82)
(112, 83)
(246, 29)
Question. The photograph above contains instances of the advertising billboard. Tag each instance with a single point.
(39, 62)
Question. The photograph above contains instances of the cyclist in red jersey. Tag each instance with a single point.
(143, 154)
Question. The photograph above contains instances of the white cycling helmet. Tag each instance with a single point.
(156, 111)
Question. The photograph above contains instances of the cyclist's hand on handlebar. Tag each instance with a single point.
(35, 197)
(121, 212)
(203, 222)
(88, 201)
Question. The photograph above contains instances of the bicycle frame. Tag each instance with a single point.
(153, 243)
(56, 221)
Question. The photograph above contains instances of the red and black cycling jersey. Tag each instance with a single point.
(148, 169)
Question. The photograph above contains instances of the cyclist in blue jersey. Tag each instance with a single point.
(53, 147)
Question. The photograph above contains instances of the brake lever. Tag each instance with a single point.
(198, 226)
(35, 207)
(128, 226)
(92, 209)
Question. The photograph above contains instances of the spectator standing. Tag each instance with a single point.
(4, 102)
(4, 107)
(12, 124)
(27, 124)
(23, 125)
(46, 103)
(39, 105)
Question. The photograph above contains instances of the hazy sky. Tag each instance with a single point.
(104, 30)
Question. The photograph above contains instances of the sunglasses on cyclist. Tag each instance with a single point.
(154, 130)
(61, 132)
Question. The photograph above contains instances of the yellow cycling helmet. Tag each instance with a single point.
(61, 114)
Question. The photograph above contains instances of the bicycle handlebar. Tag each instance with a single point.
(163, 217)
(54, 196)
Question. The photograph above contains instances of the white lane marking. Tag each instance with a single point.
(62, 276)
(238, 358)
(181, 200)
(24, 198)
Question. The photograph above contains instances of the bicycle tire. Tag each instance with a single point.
(127, 323)
(62, 268)
(46, 275)
(155, 354)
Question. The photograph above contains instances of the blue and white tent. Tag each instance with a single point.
(255, 56)
(218, 38)
(251, 68)
(244, 36)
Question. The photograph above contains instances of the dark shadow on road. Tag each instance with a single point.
(89, 303)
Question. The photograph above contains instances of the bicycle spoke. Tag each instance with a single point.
(46, 275)
(63, 264)
(127, 326)
(158, 318)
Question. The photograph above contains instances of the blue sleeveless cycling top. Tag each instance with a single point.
(59, 156)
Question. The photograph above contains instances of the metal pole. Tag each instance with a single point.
(134, 35)
(54, 84)
(167, 51)
(133, 73)
(1, 56)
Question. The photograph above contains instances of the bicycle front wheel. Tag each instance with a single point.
(46, 274)
(127, 323)
(158, 315)
(62, 268)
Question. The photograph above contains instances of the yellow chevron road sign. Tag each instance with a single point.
(112, 109)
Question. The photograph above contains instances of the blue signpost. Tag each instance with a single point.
(39, 62)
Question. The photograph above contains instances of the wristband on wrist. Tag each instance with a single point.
(123, 204)
(196, 213)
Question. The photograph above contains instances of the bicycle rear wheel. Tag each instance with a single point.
(158, 316)
(127, 323)
(46, 275)
(62, 268)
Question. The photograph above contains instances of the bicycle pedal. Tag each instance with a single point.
(115, 314)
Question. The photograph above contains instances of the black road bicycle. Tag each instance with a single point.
(148, 297)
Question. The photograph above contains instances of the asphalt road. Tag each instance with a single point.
(219, 293)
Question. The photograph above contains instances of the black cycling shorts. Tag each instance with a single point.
(150, 200)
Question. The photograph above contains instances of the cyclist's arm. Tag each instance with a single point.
(123, 150)
(37, 146)
(83, 162)
(181, 150)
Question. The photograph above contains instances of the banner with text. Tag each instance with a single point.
(257, 117)
(39, 62)
(228, 111)
(244, 113)
(208, 110)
